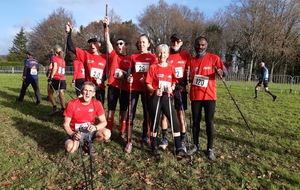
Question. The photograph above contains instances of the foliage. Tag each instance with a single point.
(17, 51)
(32, 154)
(10, 63)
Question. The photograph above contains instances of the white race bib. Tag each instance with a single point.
(61, 71)
(141, 67)
(33, 71)
(118, 71)
(164, 85)
(96, 73)
(178, 72)
(200, 80)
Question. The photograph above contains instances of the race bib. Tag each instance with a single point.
(116, 75)
(33, 71)
(61, 71)
(178, 72)
(200, 80)
(81, 126)
(164, 85)
(96, 73)
(141, 67)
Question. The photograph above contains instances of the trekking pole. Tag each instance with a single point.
(106, 52)
(147, 115)
(155, 117)
(91, 160)
(234, 101)
(28, 91)
(83, 165)
(129, 144)
(172, 127)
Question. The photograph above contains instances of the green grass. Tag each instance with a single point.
(32, 154)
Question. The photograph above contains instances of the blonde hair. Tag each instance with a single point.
(162, 47)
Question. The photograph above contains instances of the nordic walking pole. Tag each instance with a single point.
(83, 165)
(106, 52)
(129, 145)
(29, 92)
(234, 100)
(172, 127)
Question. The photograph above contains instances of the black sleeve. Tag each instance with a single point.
(70, 44)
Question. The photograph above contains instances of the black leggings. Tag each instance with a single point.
(209, 111)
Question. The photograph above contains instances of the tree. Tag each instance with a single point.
(48, 33)
(17, 51)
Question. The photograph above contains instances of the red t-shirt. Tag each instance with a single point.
(140, 64)
(203, 75)
(60, 72)
(83, 114)
(94, 65)
(118, 63)
(79, 72)
(179, 60)
(159, 76)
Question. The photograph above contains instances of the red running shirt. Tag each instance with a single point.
(203, 75)
(140, 64)
(79, 72)
(60, 72)
(179, 60)
(159, 76)
(94, 65)
(82, 114)
(118, 63)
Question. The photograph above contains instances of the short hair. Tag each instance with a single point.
(161, 47)
(88, 84)
(148, 38)
(201, 37)
(122, 39)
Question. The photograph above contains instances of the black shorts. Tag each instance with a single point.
(61, 83)
(180, 100)
(264, 82)
(114, 94)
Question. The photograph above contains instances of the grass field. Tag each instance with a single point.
(32, 154)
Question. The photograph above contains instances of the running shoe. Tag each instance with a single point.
(210, 154)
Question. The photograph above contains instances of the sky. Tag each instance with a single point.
(15, 14)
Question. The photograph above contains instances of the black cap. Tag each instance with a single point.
(29, 53)
(93, 40)
(176, 37)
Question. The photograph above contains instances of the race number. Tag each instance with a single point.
(141, 67)
(116, 75)
(178, 72)
(33, 71)
(200, 80)
(96, 73)
(61, 71)
(164, 85)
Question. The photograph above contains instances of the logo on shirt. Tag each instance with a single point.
(181, 62)
(160, 75)
(206, 68)
(101, 64)
(169, 76)
(148, 59)
(91, 110)
(90, 61)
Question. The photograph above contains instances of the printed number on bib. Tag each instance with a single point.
(96, 73)
(141, 67)
(61, 71)
(178, 72)
(164, 85)
(81, 126)
(116, 75)
(33, 71)
(200, 80)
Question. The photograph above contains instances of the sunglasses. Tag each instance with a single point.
(120, 43)
(173, 41)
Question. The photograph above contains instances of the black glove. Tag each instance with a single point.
(180, 86)
(49, 80)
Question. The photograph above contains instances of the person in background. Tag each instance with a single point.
(30, 76)
(161, 81)
(78, 76)
(178, 58)
(79, 121)
(118, 87)
(57, 80)
(263, 79)
(203, 69)
(140, 62)
(93, 61)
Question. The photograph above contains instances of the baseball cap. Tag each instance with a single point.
(95, 39)
(29, 53)
(176, 36)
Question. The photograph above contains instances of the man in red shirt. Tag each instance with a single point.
(178, 58)
(93, 61)
(79, 121)
(203, 92)
(78, 76)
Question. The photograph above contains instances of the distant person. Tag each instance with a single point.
(30, 76)
(93, 61)
(78, 76)
(178, 58)
(263, 79)
(79, 121)
(203, 69)
(49, 70)
(57, 80)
